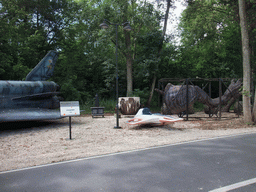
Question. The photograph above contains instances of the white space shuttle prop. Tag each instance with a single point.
(145, 117)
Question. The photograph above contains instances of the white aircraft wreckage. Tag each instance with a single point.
(145, 117)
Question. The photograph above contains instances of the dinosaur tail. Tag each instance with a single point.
(159, 91)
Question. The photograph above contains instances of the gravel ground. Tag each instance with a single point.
(27, 144)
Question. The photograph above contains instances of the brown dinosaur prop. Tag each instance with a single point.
(227, 106)
(175, 96)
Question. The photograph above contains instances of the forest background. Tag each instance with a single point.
(209, 33)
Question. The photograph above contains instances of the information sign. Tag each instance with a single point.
(69, 108)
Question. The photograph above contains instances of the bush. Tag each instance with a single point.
(143, 94)
(109, 105)
(198, 106)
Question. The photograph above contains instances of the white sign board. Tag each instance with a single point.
(69, 108)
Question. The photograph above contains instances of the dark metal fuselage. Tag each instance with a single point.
(33, 99)
(28, 94)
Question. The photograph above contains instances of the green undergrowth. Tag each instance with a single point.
(110, 105)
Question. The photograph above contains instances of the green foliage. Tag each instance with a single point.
(69, 92)
(245, 92)
(210, 44)
(29, 29)
(211, 40)
(143, 94)
(198, 107)
(109, 105)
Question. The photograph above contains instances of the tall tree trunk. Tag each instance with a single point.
(246, 63)
(151, 91)
(253, 72)
(128, 54)
(166, 17)
(129, 62)
(159, 51)
(254, 108)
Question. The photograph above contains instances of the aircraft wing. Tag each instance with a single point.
(36, 96)
(28, 114)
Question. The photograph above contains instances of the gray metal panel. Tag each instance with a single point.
(26, 114)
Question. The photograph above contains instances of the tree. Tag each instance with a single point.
(246, 63)
(29, 30)
(208, 44)
(88, 53)
(142, 18)
(160, 50)
(234, 13)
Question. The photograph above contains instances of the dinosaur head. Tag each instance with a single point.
(233, 88)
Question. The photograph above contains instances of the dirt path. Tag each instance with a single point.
(30, 144)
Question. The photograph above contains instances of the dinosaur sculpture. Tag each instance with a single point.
(226, 107)
(175, 96)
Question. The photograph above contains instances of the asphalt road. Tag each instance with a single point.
(193, 166)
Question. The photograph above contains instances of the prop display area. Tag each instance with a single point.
(179, 99)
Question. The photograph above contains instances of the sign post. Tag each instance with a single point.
(69, 109)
